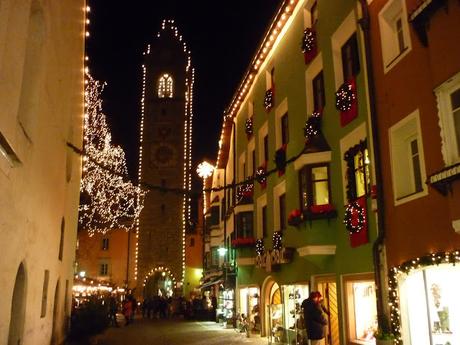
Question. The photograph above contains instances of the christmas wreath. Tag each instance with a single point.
(354, 219)
(344, 97)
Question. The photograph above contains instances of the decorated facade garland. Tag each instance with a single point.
(312, 126)
(277, 240)
(244, 191)
(345, 96)
(249, 127)
(268, 99)
(405, 269)
(260, 248)
(354, 219)
(261, 176)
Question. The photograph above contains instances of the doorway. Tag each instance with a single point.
(327, 286)
(18, 308)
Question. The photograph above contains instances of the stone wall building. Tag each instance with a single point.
(41, 110)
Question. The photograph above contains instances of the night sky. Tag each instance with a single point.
(222, 36)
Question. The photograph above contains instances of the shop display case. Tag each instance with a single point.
(293, 295)
(277, 334)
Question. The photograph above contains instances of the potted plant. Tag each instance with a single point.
(295, 217)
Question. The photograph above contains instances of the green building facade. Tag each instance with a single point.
(298, 201)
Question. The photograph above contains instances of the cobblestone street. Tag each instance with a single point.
(175, 332)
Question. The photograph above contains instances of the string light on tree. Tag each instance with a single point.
(312, 125)
(308, 40)
(108, 199)
(249, 127)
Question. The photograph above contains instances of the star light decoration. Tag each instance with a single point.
(108, 200)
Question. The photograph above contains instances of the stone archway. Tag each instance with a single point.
(265, 300)
(18, 308)
(159, 282)
(56, 316)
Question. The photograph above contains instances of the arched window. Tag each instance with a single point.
(165, 86)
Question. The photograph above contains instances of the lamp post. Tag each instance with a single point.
(204, 170)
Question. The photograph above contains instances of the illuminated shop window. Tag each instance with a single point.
(165, 86)
(430, 306)
(362, 311)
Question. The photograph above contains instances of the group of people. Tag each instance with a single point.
(315, 318)
(128, 309)
(159, 307)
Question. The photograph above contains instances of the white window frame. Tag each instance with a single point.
(278, 190)
(398, 134)
(338, 39)
(351, 139)
(312, 71)
(261, 202)
(347, 282)
(307, 13)
(450, 151)
(388, 15)
(251, 166)
(263, 131)
(241, 166)
(279, 112)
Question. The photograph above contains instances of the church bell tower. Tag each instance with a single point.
(164, 163)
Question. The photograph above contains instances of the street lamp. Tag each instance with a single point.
(204, 170)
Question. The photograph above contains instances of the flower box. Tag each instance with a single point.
(326, 211)
(243, 242)
(295, 217)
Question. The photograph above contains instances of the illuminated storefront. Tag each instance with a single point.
(249, 306)
(361, 310)
(430, 305)
(293, 295)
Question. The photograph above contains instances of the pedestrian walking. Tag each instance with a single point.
(127, 310)
(113, 308)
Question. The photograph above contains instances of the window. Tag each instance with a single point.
(253, 163)
(61, 241)
(394, 33)
(314, 13)
(165, 86)
(103, 269)
(350, 58)
(407, 162)
(361, 310)
(265, 148)
(214, 220)
(223, 209)
(192, 242)
(319, 99)
(282, 211)
(361, 172)
(284, 129)
(264, 221)
(311, 14)
(244, 225)
(314, 185)
(105, 244)
(357, 174)
(214, 256)
(448, 97)
(46, 280)
(430, 297)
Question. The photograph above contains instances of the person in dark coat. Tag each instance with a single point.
(315, 319)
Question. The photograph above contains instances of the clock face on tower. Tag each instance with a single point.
(163, 156)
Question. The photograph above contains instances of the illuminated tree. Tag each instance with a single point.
(108, 200)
